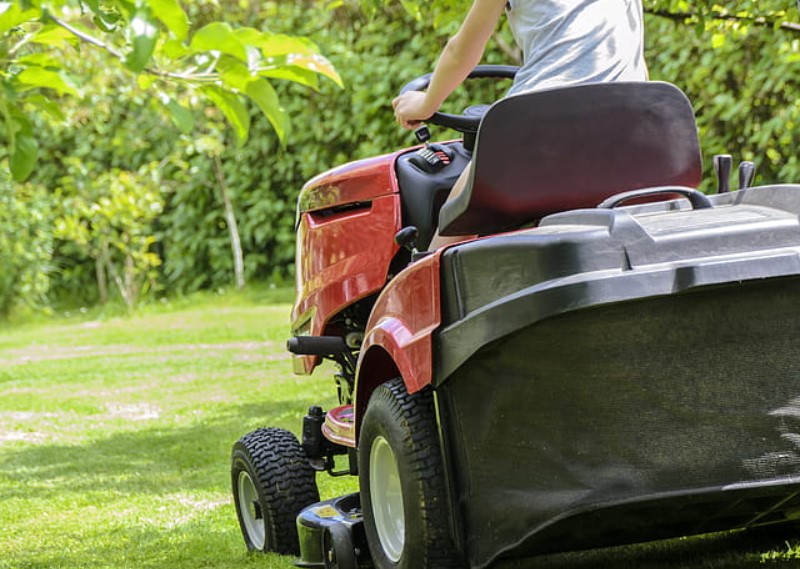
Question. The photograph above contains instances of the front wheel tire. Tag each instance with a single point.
(401, 476)
(272, 482)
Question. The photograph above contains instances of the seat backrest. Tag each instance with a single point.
(572, 147)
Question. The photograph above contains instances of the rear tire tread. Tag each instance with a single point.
(417, 418)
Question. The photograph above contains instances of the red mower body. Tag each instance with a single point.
(347, 219)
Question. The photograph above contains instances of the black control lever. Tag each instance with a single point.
(722, 167)
(407, 238)
(747, 173)
(423, 134)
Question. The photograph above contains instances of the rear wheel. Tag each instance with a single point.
(272, 482)
(401, 476)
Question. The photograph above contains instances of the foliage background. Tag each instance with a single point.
(740, 72)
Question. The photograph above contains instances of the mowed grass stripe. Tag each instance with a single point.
(115, 435)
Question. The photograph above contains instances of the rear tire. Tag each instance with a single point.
(272, 482)
(401, 476)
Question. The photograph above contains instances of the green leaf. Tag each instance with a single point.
(106, 18)
(235, 75)
(263, 95)
(233, 109)
(699, 27)
(24, 156)
(412, 8)
(174, 48)
(272, 45)
(12, 15)
(24, 150)
(128, 9)
(317, 64)
(48, 106)
(248, 36)
(94, 5)
(281, 50)
(218, 36)
(717, 40)
(145, 81)
(41, 59)
(275, 45)
(295, 74)
(172, 16)
(33, 77)
(181, 116)
(144, 33)
(54, 35)
(107, 27)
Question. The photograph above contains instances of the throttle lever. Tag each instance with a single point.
(747, 173)
(722, 167)
(423, 134)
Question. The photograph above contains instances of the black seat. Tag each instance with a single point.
(548, 151)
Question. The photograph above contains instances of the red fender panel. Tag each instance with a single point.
(399, 338)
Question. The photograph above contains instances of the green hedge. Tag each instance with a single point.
(742, 81)
(26, 246)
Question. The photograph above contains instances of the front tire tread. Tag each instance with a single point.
(284, 480)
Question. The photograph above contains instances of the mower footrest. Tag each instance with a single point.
(340, 426)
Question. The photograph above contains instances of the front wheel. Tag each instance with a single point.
(272, 482)
(401, 476)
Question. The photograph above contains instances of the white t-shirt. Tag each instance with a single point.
(567, 42)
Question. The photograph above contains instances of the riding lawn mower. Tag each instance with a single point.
(608, 356)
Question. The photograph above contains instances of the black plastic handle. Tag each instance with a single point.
(316, 345)
(479, 72)
(722, 168)
(698, 199)
(747, 172)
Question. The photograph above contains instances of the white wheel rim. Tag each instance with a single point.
(386, 497)
(252, 516)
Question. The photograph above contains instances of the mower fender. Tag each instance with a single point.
(399, 337)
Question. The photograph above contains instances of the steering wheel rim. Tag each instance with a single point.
(462, 123)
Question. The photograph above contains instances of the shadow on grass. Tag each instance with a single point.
(729, 550)
(153, 459)
(112, 501)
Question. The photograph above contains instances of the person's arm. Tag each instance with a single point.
(461, 54)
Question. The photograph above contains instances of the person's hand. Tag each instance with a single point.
(411, 109)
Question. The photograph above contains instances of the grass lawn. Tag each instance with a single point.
(115, 438)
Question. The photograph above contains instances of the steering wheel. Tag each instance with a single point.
(469, 121)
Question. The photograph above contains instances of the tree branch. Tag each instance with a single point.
(757, 20)
(21, 43)
(233, 227)
(83, 36)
